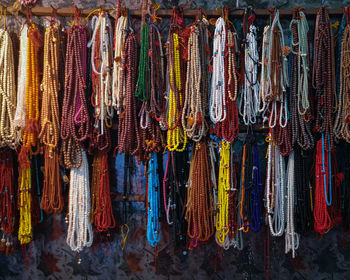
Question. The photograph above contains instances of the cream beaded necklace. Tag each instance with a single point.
(9, 136)
(79, 227)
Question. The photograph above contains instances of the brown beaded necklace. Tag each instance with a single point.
(129, 140)
(199, 207)
(52, 199)
(323, 75)
(75, 123)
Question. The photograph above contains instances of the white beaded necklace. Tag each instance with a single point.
(275, 184)
(217, 99)
(20, 115)
(118, 79)
(9, 136)
(79, 228)
(249, 105)
(291, 237)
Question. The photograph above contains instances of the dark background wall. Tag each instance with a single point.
(50, 258)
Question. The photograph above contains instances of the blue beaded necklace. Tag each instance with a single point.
(153, 210)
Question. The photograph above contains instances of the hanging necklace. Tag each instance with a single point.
(153, 203)
(217, 107)
(9, 136)
(174, 195)
(101, 214)
(222, 228)
(118, 65)
(128, 131)
(176, 77)
(101, 75)
(277, 80)
(228, 128)
(275, 189)
(342, 120)
(52, 199)
(323, 75)
(7, 199)
(291, 237)
(199, 207)
(249, 106)
(300, 107)
(79, 233)
(193, 113)
(20, 115)
(251, 192)
(30, 138)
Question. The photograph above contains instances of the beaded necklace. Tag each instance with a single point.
(251, 192)
(222, 228)
(300, 107)
(277, 83)
(75, 121)
(217, 110)
(199, 206)
(228, 128)
(101, 76)
(174, 195)
(193, 113)
(176, 77)
(101, 214)
(20, 115)
(153, 203)
(323, 75)
(249, 106)
(129, 139)
(323, 188)
(7, 199)
(9, 136)
(342, 120)
(52, 199)
(118, 65)
(275, 189)
(30, 138)
(303, 192)
(150, 91)
(291, 237)
(79, 233)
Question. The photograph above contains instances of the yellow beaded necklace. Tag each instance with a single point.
(223, 196)
(175, 136)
